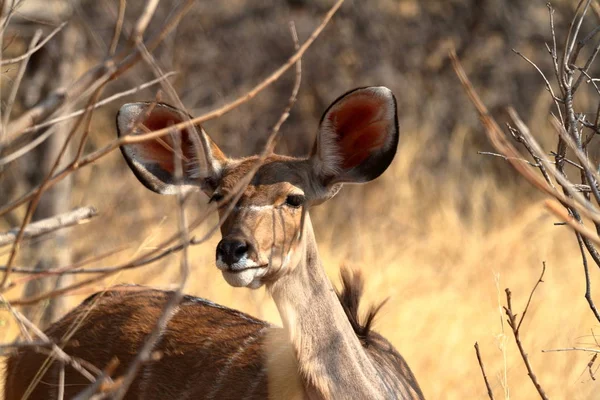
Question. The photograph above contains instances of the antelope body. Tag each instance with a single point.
(209, 351)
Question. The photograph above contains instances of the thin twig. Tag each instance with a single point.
(591, 364)
(540, 280)
(32, 50)
(570, 162)
(118, 28)
(170, 308)
(556, 99)
(553, 51)
(27, 148)
(143, 21)
(101, 380)
(587, 350)
(512, 322)
(485, 379)
(588, 283)
(489, 153)
(17, 82)
(61, 381)
(521, 138)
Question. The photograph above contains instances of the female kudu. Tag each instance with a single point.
(212, 352)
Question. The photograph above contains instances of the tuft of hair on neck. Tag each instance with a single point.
(350, 295)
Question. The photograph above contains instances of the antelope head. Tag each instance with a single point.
(263, 232)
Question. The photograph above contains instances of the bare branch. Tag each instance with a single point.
(512, 322)
(118, 28)
(499, 141)
(25, 149)
(485, 379)
(577, 226)
(15, 87)
(143, 21)
(79, 216)
(587, 350)
(588, 283)
(556, 99)
(244, 98)
(540, 280)
(489, 153)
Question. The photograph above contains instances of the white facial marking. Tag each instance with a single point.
(286, 260)
(242, 264)
(256, 208)
(247, 278)
(244, 273)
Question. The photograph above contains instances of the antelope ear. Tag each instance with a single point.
(154, 161)
(357, 139)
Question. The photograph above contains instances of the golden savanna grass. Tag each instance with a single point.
(441, 240)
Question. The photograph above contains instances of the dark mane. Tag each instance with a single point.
(352, 290)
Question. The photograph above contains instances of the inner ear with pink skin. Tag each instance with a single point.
(358, 137)
(154, 161)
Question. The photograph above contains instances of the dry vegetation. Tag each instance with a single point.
(441, 234)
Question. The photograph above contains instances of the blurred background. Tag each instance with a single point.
(441, 233)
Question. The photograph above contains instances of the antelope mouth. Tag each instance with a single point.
(247, 276)
(245, 272)
(243, 264)
(233, 269)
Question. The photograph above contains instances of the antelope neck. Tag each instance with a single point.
(330, 357)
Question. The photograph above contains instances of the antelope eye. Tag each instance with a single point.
(216, 197)
(295, 200)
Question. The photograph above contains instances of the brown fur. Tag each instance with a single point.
(193, 350)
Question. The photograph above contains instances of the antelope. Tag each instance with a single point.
(208, 351)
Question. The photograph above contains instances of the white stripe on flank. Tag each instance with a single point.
(219, 380)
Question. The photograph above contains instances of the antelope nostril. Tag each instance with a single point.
(241, 250)
(231, 250)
